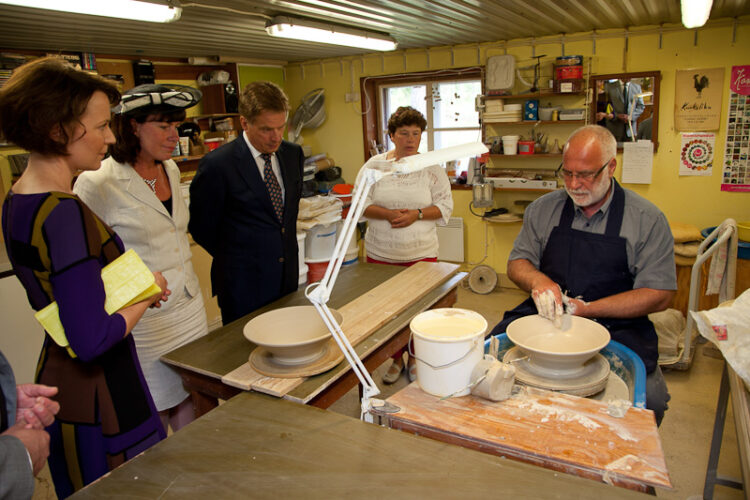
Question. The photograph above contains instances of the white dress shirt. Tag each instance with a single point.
(262, 164)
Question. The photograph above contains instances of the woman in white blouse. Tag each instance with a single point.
(402, 211)
(137, 192)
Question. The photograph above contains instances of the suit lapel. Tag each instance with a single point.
(138, 189)
(288, 182)
(247, 169)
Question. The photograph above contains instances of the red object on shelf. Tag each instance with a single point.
(568, 72)
(525, 147)
(344, 193)
(212, 144)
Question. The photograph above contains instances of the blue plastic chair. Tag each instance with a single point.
(622, 360)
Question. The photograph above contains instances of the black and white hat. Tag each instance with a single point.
(151, 98)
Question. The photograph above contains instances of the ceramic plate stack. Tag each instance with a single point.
(503, 116)
(506, 113)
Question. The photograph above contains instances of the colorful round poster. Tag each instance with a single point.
(697, 154)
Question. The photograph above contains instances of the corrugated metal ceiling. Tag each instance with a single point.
(235, 29)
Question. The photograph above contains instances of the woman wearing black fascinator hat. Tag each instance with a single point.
(137, 192)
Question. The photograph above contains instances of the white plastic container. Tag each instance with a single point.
(320, 241)
(301, 253)
(510, 144)
(352, 250)
(448, 343)
(302, 274)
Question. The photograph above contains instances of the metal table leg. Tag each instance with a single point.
(712, 479)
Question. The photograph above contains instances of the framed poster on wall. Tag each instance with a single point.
(698, 99)
(736, 168)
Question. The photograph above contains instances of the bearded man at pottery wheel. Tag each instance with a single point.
(599, 250)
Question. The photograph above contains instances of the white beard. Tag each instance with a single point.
(586, 197)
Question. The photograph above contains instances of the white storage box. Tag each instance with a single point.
(571, 114)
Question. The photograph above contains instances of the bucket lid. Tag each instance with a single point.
(448, 324)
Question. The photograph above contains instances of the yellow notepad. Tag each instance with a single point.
(126, 280)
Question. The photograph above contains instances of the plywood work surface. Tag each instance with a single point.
(259, 447)
(557, 431)
(362, 316)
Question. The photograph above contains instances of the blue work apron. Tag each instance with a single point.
(593, 266)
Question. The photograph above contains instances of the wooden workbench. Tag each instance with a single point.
(204, 362)
(258, 446)
(553, 430)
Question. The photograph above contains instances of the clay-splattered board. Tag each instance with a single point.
(557, 431)
(362, 316)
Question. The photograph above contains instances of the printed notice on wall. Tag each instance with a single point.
(697, 101)
(637, 162)
(697, 153)
(736, 168)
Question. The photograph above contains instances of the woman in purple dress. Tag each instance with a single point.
(57, 247)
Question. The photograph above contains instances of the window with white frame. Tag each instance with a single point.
(447, 105)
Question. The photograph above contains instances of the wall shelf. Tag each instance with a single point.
(468, 187)
(536, 95)
(537, 122)
(529, 157)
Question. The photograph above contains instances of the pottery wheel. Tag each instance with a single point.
(592, 378)
(263, 362)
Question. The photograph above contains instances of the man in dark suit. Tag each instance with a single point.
(244, 201)
(624, 97)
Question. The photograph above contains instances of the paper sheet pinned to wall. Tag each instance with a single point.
(637, 162)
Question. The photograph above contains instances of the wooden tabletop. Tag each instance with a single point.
(257, 446)
(225, 349)
(557, 431)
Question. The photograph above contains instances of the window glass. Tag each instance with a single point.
(444, 139)
(448, 107)
(406, 95)
(454, 104)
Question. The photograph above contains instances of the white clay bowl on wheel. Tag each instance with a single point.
(293, 335)
(553, 349)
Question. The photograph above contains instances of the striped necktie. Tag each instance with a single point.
(274, 190)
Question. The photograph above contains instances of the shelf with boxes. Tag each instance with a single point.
(525, 133)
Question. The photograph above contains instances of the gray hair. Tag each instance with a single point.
(602, 135)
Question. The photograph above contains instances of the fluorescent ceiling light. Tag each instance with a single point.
(311, 31)
(695, 12)
(136, 10)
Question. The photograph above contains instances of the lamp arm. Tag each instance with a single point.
(319, 293)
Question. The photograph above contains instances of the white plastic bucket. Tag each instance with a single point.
(320, 241)
(510, 144)
(302, 275)
(352, 250)
(448, 343)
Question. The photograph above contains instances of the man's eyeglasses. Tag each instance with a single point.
(584, 176)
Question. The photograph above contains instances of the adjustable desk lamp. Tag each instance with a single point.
(319, 293)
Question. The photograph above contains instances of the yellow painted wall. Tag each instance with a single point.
(696, 200)
(248, 74)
